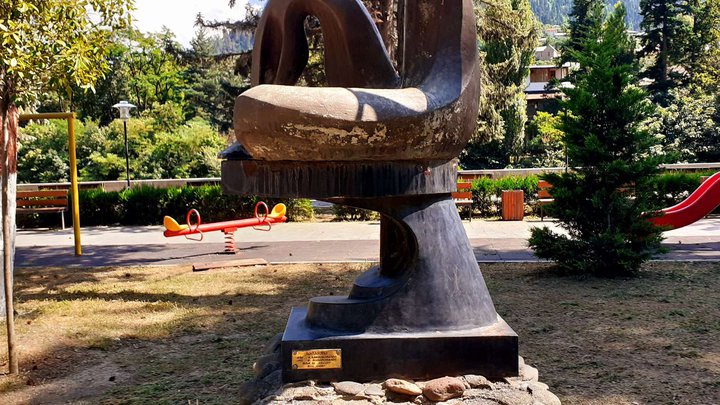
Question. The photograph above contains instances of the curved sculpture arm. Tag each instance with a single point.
(350, 36)
(431, 118)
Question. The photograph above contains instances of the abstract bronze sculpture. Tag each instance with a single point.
(385, 141)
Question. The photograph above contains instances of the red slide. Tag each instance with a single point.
(701, 202)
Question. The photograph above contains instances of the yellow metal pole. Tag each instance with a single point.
(70, 117)
(74, 184)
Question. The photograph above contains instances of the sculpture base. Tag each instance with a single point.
(491, 351)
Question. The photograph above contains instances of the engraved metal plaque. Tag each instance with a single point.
(319, 359)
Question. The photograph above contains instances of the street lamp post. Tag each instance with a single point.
(124, 109)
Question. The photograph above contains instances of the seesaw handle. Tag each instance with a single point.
(188, 218)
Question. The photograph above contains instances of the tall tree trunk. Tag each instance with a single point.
(664, 49)
(387, 29)
(400, 35)
(8, 178)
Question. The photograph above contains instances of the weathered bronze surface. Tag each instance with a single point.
(427, 110)
(385, 141)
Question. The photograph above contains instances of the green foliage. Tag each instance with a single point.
(486, 191)
(507, 36)
(148, 205)
(679, 33)
(212, 86)
(189, 150)
(483, 191)
(348, 213)
(585, 20)
(601, 203)
(545, 146)
(669, 189)
(704, 58)
(557, 11)
(690, 126)
(54, 44)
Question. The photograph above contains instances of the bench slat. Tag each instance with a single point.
(41, 193)
(462, 195)
(42, 203)
(464, 186)
(544, 194)
(45, 209)
(544, 184)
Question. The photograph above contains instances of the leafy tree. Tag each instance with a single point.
(703, 46)
(42, 153)
(507, 33)
(191, 151)
(45, 43)
(145, 69)
(152, 69)
(690, 126)
(545, 146)
(601, 203)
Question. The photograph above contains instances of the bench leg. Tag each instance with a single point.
(62, 219)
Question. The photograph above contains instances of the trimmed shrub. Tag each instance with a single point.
(348, 213)
(487, 192)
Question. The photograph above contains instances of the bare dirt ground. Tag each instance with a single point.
(165, 335)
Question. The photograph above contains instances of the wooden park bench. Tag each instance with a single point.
(543, 197)
(43, 201)
(463, 197)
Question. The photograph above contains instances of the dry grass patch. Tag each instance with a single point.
(167, 335)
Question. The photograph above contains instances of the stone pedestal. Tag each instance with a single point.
(416, 355)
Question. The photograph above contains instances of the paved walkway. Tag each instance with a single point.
(306, 242)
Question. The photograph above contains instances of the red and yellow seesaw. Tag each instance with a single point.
(261, 222)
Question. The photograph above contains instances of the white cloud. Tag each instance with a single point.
(179, 15)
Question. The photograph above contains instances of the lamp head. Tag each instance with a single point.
(124, 109)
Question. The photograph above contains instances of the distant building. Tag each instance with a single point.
(545, 73)
(546, 53)
(540, 96)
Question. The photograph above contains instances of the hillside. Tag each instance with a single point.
(556, 11)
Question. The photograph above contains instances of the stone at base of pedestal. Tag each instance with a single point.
(490, 351)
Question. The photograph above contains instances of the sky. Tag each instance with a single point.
(179, 15)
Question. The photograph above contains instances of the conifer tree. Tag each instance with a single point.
(585, 18)
(666, 30)
(601, 203)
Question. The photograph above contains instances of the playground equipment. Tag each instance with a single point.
(700, 203)
(259, 222)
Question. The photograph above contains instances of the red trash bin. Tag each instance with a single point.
(513, 205)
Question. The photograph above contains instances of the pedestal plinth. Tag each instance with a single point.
(424, 312)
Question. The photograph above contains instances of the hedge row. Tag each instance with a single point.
(671, 188)
(147, 206)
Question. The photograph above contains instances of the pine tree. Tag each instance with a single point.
(584, 21)
(601, 203)
(666, 30)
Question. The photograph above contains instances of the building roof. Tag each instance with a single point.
(552, 66)
(538, 87)
(542, 87)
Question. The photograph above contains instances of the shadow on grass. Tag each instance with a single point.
(167, 335)
(152, 335)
